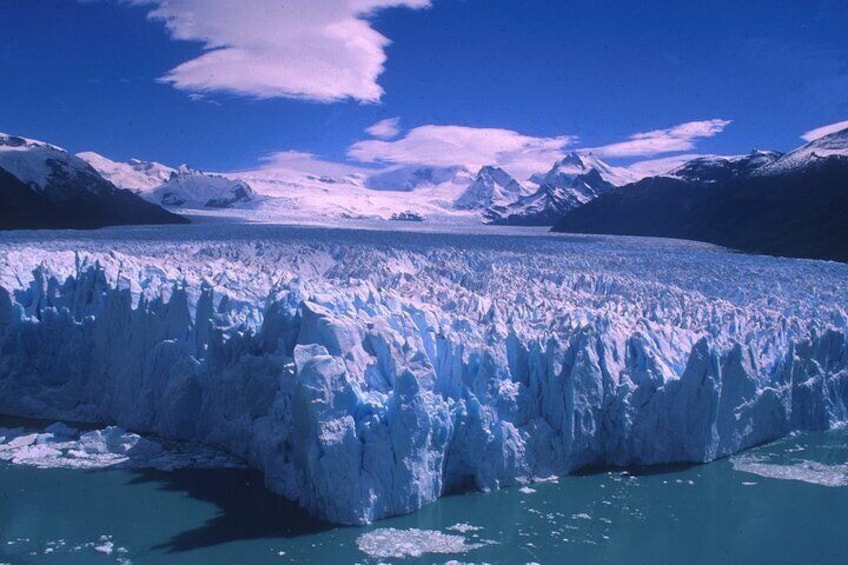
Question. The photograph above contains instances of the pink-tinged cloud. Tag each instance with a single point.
(385, 129)
(817, 133)
(655, 167)
(319, 50)
(682, 137)
(309, 163)
(469, 147)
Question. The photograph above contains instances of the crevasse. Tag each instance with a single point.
(368, 377)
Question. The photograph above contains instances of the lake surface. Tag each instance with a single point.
(793, 510)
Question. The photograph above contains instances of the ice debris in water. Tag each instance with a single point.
(464, 528)
(387, 543)
(105, 546)
(812, 472)
(60, 446)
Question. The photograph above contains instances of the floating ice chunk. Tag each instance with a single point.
(803, 470)
(526, 490)
(18, 440)
(464, 528)
(105, 546)
(60, 446)
(399, 544)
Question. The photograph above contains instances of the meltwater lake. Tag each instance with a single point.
(785, 502)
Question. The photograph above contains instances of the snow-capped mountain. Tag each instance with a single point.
(292, 193)
(793, 204)
(572, 181)
(716, 168)
(575, 165)
(45, 186)
(831, 145)
(492, 186)
(136, 175)
(181, 187)
(195, 189)
(48, 169)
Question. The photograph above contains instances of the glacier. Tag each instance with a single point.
(367, 373)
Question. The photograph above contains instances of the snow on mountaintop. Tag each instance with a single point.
(293, 195)
(577, 164)
(834, 144)
(35, 162)
(44, 186)
(492, 186)
(8, 141)
(137, 175)
(720, 168)
(196, 189)
(573, 181)
(183, 186)
(759, 157)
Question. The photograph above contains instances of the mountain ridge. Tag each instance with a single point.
(792, 205)
(575, 179)
(43, 186)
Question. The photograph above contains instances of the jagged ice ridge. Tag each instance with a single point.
(367, 374)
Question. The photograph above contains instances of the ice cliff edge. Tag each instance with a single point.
(366, 381)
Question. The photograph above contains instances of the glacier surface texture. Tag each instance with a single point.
(367, 373)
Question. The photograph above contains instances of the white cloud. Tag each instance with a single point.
(447, 146)
(309, 163)
(654, 167)
(817, 133)
(314, 50)
(385, 129)
(678, 138)
(195, 97)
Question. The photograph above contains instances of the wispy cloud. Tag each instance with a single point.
(470, 147)
(308, 163)
(682, 137)
(195, 97)
(314, 50)
(817, 133)
(385, 129)
(654, 167)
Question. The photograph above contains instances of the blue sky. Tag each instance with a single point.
(226, 85)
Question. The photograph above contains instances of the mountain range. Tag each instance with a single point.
(167, 186)
(44, 186)
(793, 204)
(432, 193)
(787, 204)
(573, 181)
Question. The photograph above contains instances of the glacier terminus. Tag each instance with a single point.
(367, 373)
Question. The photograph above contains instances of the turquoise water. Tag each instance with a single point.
(702, 514)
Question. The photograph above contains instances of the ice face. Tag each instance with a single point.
(368, 373)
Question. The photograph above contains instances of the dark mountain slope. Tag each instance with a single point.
(802, 212)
